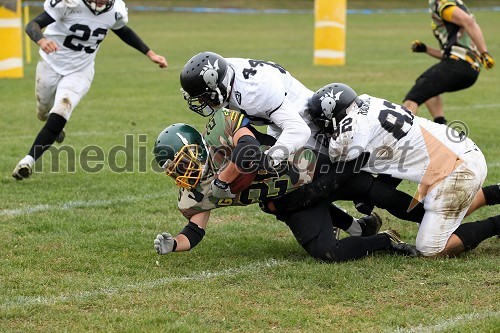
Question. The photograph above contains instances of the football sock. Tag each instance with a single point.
(396, 202)
(492, 194)
(348, 248)
(340, 219)
(47, 135)
(440, 120)
(473, 233)
(355, 228)
(357, 247)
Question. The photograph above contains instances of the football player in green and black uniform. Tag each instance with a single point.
(194, 161)
(462, 53)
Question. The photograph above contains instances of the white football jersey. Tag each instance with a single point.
(400, 144)
(78, 32)
(269, 95)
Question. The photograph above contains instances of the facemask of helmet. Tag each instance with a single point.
(206, 82)
(328, 106)
(181, 151)
(99, 7)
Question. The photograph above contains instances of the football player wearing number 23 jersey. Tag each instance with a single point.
(68, 46)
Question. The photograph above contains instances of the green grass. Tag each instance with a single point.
(77, 251)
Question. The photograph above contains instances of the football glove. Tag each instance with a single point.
(487, 59)
(165, 243)
(418, 46)
(220, 189)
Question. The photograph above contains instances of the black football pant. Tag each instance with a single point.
(314, 231)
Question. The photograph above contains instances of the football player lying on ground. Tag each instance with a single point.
(449, 167)
(180, 150)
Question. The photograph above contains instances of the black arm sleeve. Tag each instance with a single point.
(34, 27)
(131, 38)
(193, 233)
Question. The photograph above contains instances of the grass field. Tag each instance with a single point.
(76, 247)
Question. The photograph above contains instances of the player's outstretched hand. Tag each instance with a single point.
(157, 59)
(418, 46)
(164, 243)
(487, 59)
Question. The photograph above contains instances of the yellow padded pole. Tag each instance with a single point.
(329, 32)
(11, 51)
(27, 40)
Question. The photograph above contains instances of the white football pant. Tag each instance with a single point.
(447, 203)
(60, 94)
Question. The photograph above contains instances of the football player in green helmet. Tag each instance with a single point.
(190, 159)
(181, 151)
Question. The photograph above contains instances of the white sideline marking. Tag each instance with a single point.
(76, 204)
(81, 133)
(448, 323)
(475, 106)
(82, 295)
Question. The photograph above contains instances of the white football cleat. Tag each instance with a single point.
(24, 168)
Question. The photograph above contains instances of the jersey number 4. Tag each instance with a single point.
(84, 33)
(254, 63)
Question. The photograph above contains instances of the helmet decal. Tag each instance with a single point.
(210, 74)
(183, 139)
(328, 103)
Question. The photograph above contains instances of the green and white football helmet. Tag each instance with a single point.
(181, 151)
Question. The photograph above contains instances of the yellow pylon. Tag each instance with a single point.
(329, 32)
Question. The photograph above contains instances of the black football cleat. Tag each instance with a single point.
(398, 246)
(370, 225)
(60, 137)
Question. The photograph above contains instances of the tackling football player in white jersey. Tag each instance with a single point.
(448, 166)
(64, 74)
(264, 91)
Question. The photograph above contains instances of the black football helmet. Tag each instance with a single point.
(181, 151)
(206, 82)
(99, 6)
(327, 107)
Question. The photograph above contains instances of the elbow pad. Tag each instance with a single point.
(193, 233)
(247, 154)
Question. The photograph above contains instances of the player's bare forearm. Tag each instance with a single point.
(157, 59)
(132, 39)
(433, 52)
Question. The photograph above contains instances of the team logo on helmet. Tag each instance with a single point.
(210, 74)
(328, 103)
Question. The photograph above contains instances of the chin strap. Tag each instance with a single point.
(227, 82)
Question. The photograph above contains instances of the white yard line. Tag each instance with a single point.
(474, 106)
(448, 323)
(76, 204)
(79, 133)
(140, 286)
